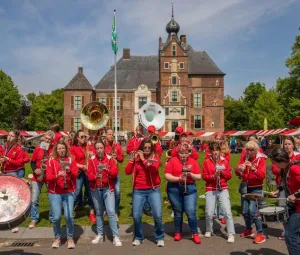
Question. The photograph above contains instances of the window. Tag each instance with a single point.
(118, 124)
(77, 124)
(167, 111)
(77, 102)
(173, 50)
(174, 80)
(118, 103)
(197, 121)
(102, 100)
(174, 125)
(142, 101)
(181, 65)
(197, 100)
(182, 110)
(174, 96)
(166, 64)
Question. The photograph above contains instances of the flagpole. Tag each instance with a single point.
(115, 60)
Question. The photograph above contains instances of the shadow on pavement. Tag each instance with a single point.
(18, 252)
(262, 251)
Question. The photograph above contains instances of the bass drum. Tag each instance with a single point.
(15, 201)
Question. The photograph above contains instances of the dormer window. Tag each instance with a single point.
(173, 50)
(166, 65)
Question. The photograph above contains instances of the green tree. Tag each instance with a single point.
(235, 114)
(252, 92)
(46, 110)
(266, 106)
(10, 104)
(293, 62)
(31, 97)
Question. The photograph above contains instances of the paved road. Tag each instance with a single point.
(214, 245)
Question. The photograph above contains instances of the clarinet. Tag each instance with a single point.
(100, 167)
(218, 178)
(185, 171)
(63, 165)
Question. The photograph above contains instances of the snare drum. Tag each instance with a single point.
(15, 201)
(273, 214)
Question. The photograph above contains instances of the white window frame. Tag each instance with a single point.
(118, 103)
(172, 96)
(102, 100)
(77, 103)
(168, 65)
(77, 124)
(139, 101)
(118, 124)
(174, 49)
(198, 119)
(182, 65)
(174, 76)
(196, 105)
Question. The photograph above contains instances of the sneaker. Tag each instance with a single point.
(281, 237)
(117, 241)
(223, 221)
(260, 238)
(247, 233)
(177, 237)
(230, 238)
(160, 243)
(32, 225)
(97, 239)
(92, 218)
(136, 242)
(15, 230)
(207, 234)
(56, 243)
(196, 238)
(71, 244)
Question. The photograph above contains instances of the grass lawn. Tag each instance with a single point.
(81, 216)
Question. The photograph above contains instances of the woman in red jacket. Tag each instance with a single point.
(144, 167)
(26, 157)
(82, 152)
(216, 173)
(61, 174)
(181, 172)
(252, 171)
(102, 172)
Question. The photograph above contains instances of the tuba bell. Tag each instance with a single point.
(94, 115)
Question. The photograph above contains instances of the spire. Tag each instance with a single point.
(172, 26)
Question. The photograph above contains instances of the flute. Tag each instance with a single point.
(63, 165)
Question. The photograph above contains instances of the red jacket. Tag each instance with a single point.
(26, 157)
(293, 182)
(145, 174)
(208, 154)
(133, 144)
(276, 170)
(57, 137)
(254, 178)
(117, 150)
(209, 170)
(108, 175)
(158, 149)
(15, 156)
(174, 167)
(37, 157)
(55, 183)
(79, 152)
(194, 155)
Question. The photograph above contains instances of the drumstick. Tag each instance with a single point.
(267, 192)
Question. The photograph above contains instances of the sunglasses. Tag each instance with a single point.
(83, 136)
(147, 148)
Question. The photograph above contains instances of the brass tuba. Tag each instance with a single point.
(94, 115)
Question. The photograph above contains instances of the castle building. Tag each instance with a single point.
(185, 82)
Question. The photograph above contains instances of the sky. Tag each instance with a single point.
(43, 42)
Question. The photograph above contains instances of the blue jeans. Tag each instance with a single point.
(218, 210)
(80, 181)
(105, 199)
(117, 194)
(183, 203)
(292, 234)
(224, 203)
(21, 173)
(67, 201)
(140, 197)
(36, 188)
(250, 211)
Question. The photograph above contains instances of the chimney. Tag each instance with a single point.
(183, 38)
(80, 69)
(126, 53)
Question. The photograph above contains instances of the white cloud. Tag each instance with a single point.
(48, 58)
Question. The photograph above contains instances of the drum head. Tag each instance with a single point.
(15, 201)
(271, 210)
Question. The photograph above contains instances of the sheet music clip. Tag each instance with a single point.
(44, 146)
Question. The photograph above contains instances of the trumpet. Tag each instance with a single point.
(169, 153)
(154, 138)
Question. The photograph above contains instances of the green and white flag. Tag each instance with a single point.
(114, 35)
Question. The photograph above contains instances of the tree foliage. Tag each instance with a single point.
(46, 110)
(293, 62)
(267, 106)
(10, 104)
(252, 92)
